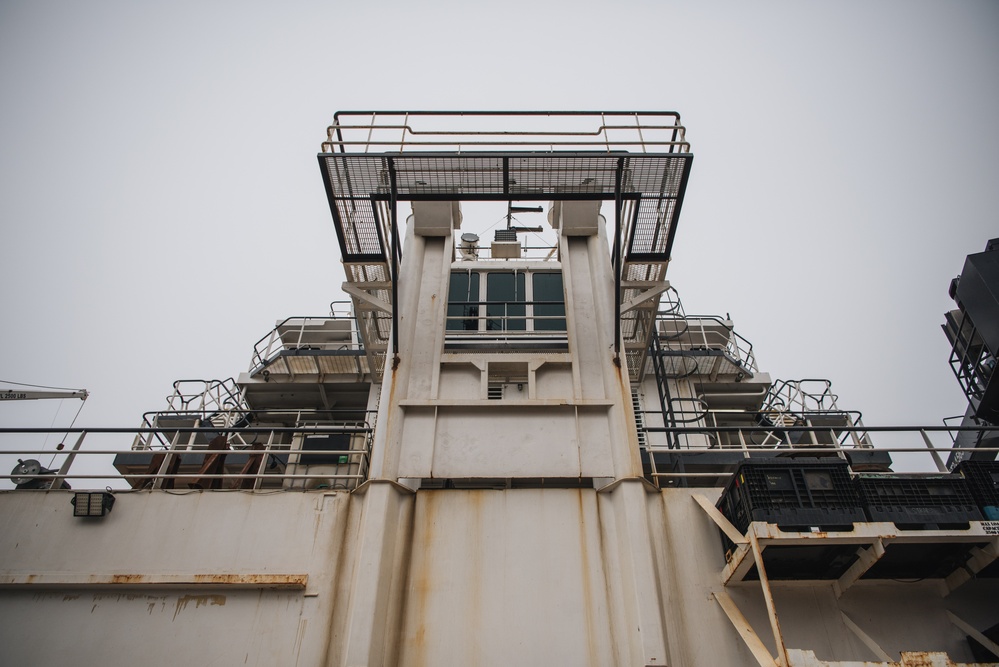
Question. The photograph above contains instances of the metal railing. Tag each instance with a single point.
(920, 452)
(205, 396)
(509, 321)
(277, 460)
(274, 458)
(482, 252)
(190, 430)
(479, 131)
(970, 358)
(317, 333)
(790, 400)
(705, 332)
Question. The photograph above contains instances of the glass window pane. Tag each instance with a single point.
(505, 302)
(463, 302)
(549, 302)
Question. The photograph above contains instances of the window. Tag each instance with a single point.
(523, 306)
(463, 301)
(506, 302)
(549, 302)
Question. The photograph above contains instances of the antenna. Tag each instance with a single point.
(511, 209)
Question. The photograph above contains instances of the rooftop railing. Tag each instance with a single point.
(692, 334)
(485, 131)
(334, 335)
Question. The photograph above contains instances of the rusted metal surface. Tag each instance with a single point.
(876, 537)
(214, 465)
(769, 600)
(252, 467)
(122, 580)
(154, 468)
(803, 658)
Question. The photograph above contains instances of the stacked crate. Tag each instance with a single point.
(919, 501)
(795, 494)
(983, 481)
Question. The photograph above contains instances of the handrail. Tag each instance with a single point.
(745, 443)
(484, 315)
(291, 459)
(693, 332)
(183, 462)
(213, 394)
(790, 396)
(396, 130)
(274, 342)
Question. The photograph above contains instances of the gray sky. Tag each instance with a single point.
(161, 205)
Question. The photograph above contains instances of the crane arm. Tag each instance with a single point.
(26, 395)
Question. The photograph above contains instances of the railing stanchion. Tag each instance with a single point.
(933, 452)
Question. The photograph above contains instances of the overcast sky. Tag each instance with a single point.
(161, 205)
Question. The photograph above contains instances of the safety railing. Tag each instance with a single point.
(490, 131)
(517, 322)
(918, 449)
(801, 396)
(692, 333)
(970, 358)
(465, 251)
(204, 396)
(341, 310)
(304, 334)
(165, 429)
(329, 456)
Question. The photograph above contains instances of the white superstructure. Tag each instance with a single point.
(503, 451)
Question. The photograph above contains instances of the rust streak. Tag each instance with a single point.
(588, 604)
(199, 601)
(423, 579)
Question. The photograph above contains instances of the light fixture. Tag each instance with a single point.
(92, 503)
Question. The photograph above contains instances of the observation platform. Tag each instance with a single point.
(371, 160)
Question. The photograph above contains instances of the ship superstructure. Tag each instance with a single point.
(509, 450)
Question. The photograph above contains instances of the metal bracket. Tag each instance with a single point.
(866, 558)
(866, 639)
(647, 295)
(730, 531)
(367, 297)
(745, 630)
(974, 634)
(981, 557)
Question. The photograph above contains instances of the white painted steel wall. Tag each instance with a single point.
(485, 577)
(52, 615)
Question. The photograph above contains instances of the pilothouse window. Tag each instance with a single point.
(463, 301)
(506, 302)
(549, 302)
(519, 308)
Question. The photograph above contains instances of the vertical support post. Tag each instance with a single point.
(933, 452)
(768, 597)
(258, 480)
(616, 259)
(64, 468)
(394, 261)
(167, 460)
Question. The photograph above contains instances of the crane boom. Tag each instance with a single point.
(25, 395)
